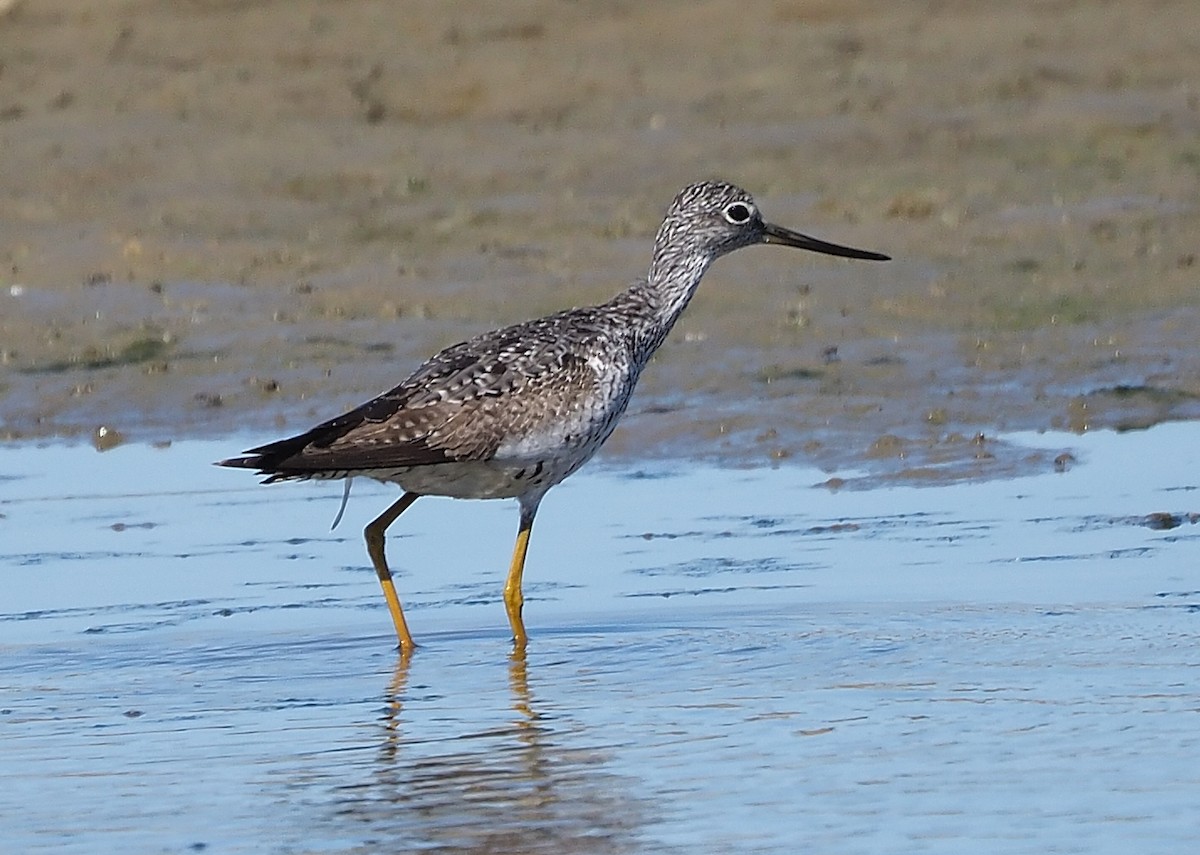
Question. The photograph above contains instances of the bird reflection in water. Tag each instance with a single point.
(525, 785)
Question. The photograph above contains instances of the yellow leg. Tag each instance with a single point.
(514, 599)
(374, 534)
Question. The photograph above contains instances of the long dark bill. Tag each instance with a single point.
(787, 237)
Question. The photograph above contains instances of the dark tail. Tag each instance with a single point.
(271, 459)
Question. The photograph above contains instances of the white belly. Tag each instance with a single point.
(491, 479)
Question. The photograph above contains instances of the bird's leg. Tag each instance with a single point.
(374, 533)
(513, 598)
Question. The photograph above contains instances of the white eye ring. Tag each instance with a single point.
(738, 213)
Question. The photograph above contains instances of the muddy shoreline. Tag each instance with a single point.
(226, 218)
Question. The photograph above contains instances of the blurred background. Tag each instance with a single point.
(243, 216)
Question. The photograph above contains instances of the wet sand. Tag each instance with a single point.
(219, 216)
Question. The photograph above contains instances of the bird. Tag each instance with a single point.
(512, 412)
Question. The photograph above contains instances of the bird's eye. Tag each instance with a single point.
(737, 213)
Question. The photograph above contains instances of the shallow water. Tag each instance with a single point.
(720, 661)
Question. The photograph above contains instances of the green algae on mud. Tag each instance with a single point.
(134, 353)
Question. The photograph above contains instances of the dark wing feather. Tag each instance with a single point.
(459, 405)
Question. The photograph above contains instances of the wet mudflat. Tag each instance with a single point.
(721, 660)
(215, 216)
